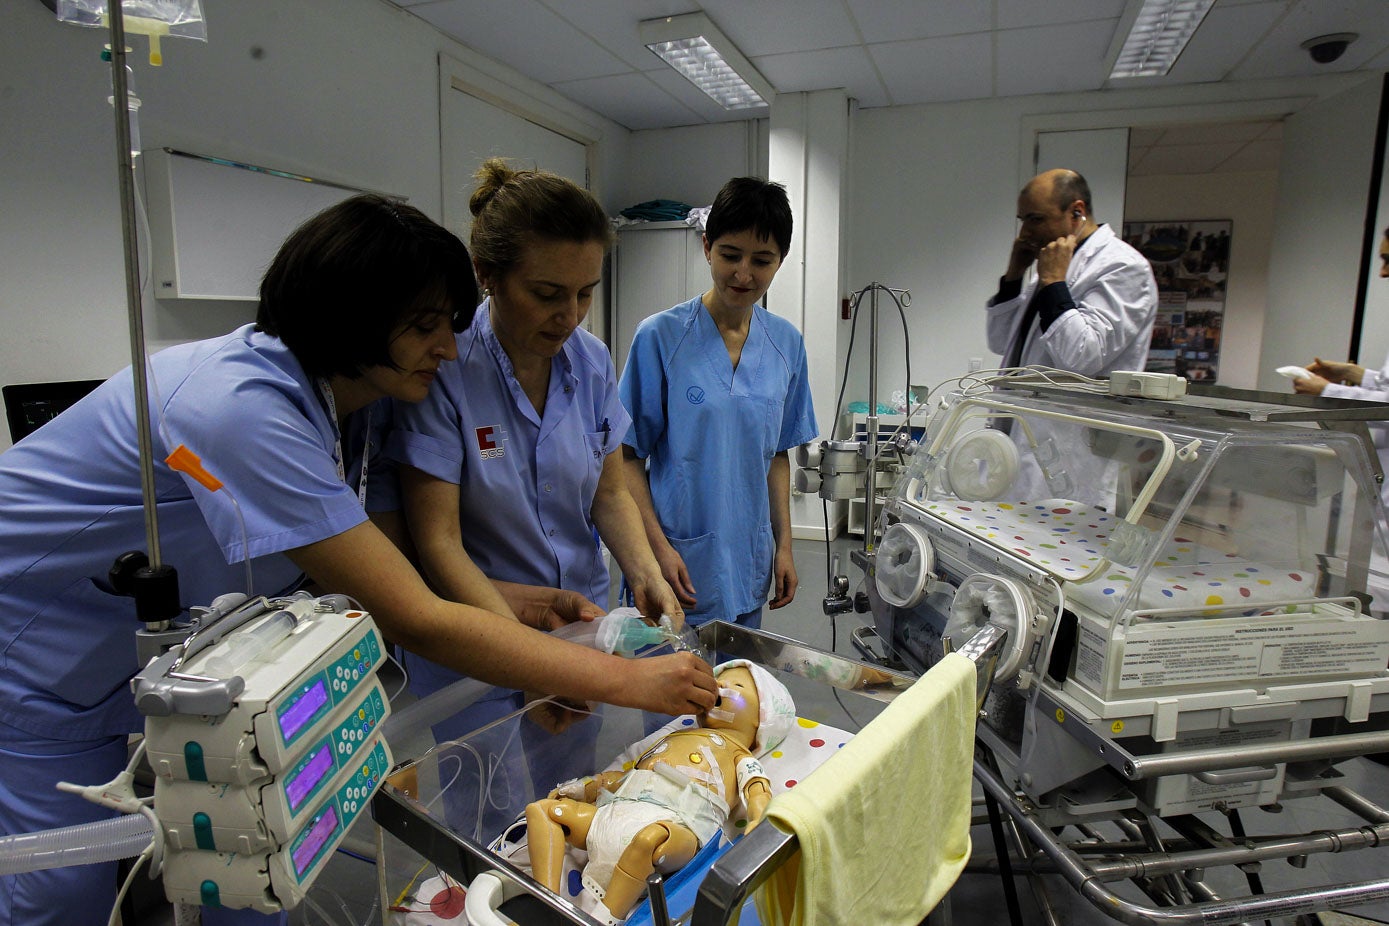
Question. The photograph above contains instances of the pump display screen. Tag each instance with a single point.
(301, 783)
(302, 708)
(313, 840)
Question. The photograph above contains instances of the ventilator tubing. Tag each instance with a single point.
(82, 844)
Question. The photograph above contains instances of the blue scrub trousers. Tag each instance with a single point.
(29, 802)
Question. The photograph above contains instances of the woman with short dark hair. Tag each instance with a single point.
(718, 392)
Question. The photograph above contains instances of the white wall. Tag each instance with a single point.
(347, 90)
(1247, 199)
(344, 90)
(690, 163)
(1314, 265)
(934, 197)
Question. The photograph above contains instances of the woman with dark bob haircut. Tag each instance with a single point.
(358, 308)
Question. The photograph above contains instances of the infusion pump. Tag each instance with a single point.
(264, 733)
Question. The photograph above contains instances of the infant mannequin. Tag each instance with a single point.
(673, 800)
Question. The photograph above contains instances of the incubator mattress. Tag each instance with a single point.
(1065, 538)
(1068, 539)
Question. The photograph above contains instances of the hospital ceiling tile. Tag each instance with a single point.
(1186, 159)
(1028, 61)
(1257, 155)
(1379, 62)
(1280, 53)
(849, 68)
(695, 100)
(612, 25)
(1226, 36)
(770, 27)
(1144, 136)
(1212, 133)
(934, 70)
(632, 100)
(1017, 14)
(925, 19)
(546, 50)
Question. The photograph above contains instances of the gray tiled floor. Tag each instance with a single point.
(347, 891)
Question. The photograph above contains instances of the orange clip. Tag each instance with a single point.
(186, 461)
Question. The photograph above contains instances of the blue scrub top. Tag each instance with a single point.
(70, 503)
(709, 434)
(526, 482)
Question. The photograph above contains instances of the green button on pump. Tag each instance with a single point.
(193, 761)
(202, 831)
(211, 896)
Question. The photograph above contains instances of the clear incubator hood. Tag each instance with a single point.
(1166, 570)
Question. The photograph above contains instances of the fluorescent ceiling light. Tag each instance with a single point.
(1159, 32)
(706, 58)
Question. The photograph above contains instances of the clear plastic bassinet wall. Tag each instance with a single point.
(1167, 570)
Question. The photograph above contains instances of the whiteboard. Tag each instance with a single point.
(216, 224)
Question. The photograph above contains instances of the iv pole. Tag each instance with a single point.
(153, 583)
(837, 600)
(870, 451)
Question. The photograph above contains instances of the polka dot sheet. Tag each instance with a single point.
(1065, 538)
(1069, 540)
(438, 900)
(1175, 581)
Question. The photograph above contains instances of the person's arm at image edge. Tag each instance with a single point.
(784, 579)
(363, 563)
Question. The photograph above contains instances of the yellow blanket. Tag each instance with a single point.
(883, 824)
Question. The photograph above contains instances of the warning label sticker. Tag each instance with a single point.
(1159, 655)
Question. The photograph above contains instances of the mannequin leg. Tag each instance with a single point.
(666, 846)
(551, 824)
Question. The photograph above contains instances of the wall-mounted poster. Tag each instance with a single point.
(1190, 260)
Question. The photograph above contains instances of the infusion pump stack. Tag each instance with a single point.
(264, 732)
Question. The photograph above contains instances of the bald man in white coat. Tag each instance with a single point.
(1088, 308)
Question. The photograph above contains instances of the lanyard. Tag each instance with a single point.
(326, 391)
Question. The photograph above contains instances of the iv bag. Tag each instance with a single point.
(154, 18)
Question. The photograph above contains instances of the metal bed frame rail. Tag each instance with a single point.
(1089, 868)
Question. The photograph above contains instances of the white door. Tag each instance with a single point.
(473, 129)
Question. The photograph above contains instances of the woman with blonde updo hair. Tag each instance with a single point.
(513, 466)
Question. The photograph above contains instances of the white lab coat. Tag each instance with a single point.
(1112, 324)
(1109, 329)
(1374, 387)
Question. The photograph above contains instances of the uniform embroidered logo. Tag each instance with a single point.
(488, 443)
(695, 395)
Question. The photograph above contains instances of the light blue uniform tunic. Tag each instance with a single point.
(709, 434)
(70, 503)
(526, 488)
(526, 482)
